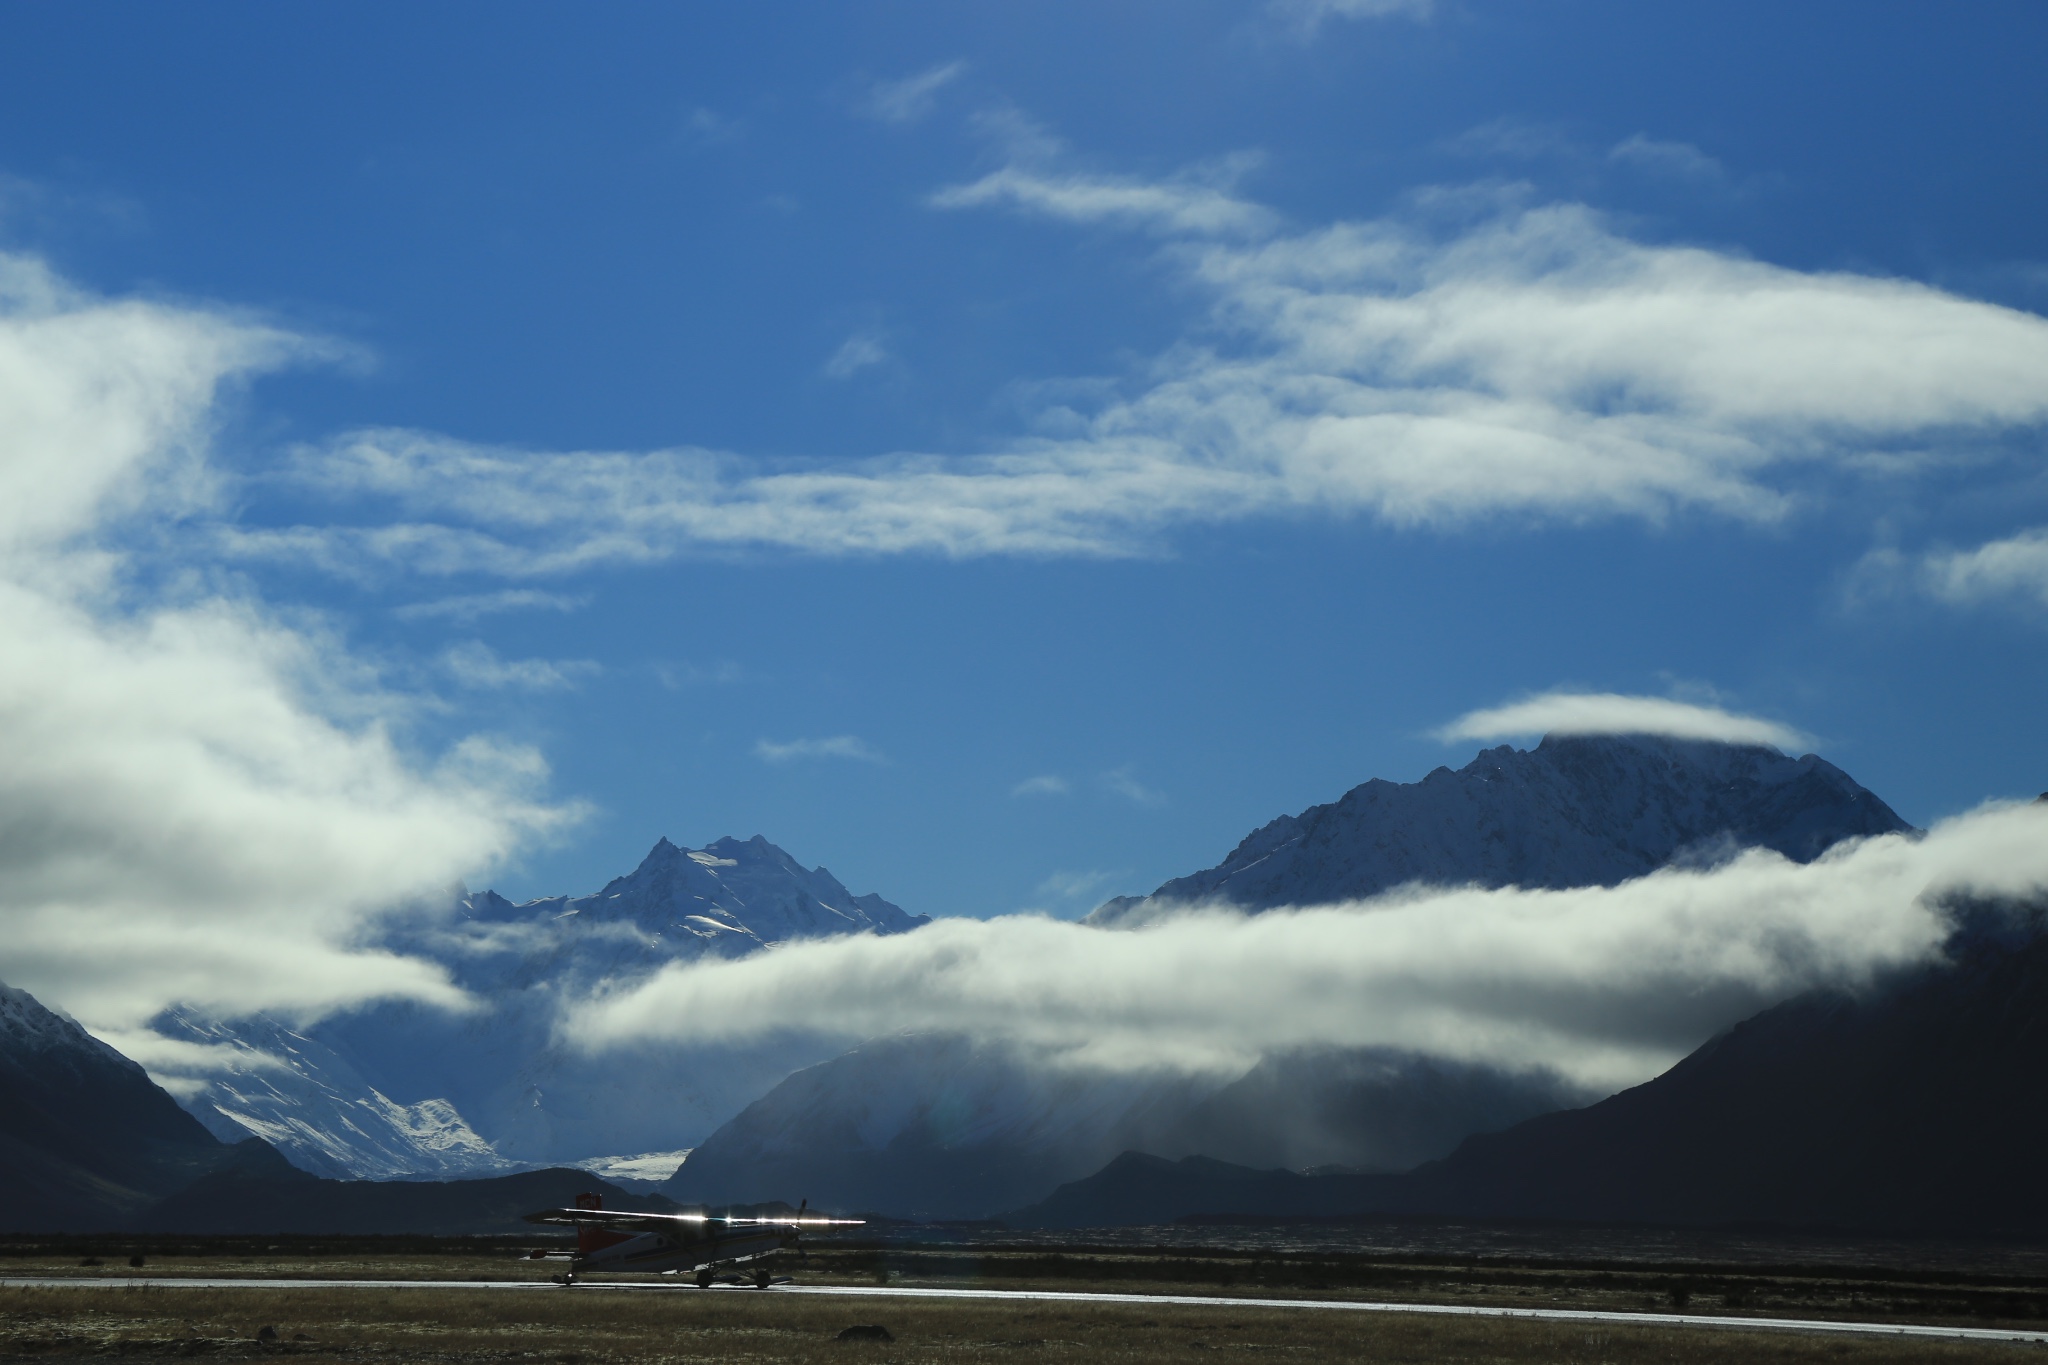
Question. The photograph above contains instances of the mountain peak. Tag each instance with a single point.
(1577, 810)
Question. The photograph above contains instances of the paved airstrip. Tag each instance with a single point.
(1880, 1329)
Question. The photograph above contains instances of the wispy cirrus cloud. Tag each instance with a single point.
(1671, 159)
(1046, 784)
(1612, 713)
(838, 746)
(1123, 782)
(1306, 17)
(910, 99)
(475, 664)
(1200, 204)
(1531, 363)
(856, 353)
(1608, 985)
(468, 608)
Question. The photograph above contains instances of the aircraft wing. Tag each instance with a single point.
(621, 1221)
(616, 1218)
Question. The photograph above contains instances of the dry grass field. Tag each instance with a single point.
(572, 1327)
(461, 1327)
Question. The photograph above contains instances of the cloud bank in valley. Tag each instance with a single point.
(200, 802)
(1612, 713)
(1418, 371)
(1606, 985)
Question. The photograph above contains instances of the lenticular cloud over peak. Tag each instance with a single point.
(1614, 713)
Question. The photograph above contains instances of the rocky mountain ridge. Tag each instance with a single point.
(1586, 810)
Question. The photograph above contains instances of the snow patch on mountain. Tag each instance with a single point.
(313, 1105)
(641, 1170)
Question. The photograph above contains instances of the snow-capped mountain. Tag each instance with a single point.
(1574, 811)
(304, 1098)
(405, 1090)
(726, 899)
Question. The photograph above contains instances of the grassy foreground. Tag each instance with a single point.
(575, 1328)
(136, 1322)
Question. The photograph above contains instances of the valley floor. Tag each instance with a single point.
(458, 1326)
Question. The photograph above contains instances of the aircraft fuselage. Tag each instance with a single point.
(677, 1252)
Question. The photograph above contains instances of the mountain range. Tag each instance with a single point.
(1911, 1106)
(399, 1090)
(930, 1125)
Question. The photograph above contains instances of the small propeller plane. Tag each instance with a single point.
(699, 1244)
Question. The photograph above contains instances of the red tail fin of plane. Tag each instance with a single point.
(589, 1239)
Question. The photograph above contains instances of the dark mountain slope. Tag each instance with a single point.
(87, 1140)
(1917, 1108)
(294, 1202)
(1372, 1109)
(928, 1126)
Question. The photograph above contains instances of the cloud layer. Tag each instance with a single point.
(1528, 363)
(199, 803)
(1608, 985)
(1611, 713)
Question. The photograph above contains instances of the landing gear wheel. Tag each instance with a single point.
(761, 1280)
(704, 1279)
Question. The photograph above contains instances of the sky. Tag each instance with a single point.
(1004, 454)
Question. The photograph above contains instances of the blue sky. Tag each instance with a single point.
(526, 249)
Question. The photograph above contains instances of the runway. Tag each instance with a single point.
(1573, 1315)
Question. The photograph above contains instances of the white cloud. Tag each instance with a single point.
(199, 803)
(838, 746)
(1608, 985)
(1198, 205)
(1674, 160)
(855, 354)
(1611, 713)
(910, 99)
(466, 609)
(2016, 566)
(475, 664)
(1537, 364)
(1048, 784)
(1121, 782)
